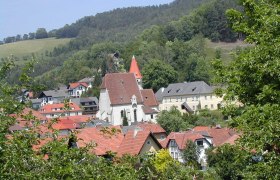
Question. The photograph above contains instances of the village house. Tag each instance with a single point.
(88, 81)
(122, 97)
(90, 105)
(203, 136)
(56, 110)
(52, 96)
(138, 142)
(188, 97)
(176, 143)
(77, 89)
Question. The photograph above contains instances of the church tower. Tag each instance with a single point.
(135, 69)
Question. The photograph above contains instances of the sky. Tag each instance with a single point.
(24, 16)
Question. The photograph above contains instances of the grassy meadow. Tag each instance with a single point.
(25, 48)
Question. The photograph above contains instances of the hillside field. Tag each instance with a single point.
(24, 48)
(225, 48)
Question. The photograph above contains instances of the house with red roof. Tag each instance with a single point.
(56, 110)
(76, 89)
(122, 98)
(137, 142)
(176, 143)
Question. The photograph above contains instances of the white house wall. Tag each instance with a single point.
(207, 101)
(104, 105)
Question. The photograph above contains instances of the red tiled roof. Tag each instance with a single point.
(133, 143)
(121, 87)
(232, 139)
(76, 84)
(219, 135)
(48, 108)
(105, 142)
(134, 68)
(201, 128)
(77, 119)
(63, 124)
(154, 128)
(148, 110)
(181, 138)
(149, 97)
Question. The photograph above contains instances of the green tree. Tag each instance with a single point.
(253, 79)
(190, 154)
(172, 121)
(157, 74)
(41, 33)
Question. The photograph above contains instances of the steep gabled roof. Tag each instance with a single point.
(149, 97)
(121, 87)
(219, 135)
(104, 142)
(181, 138)
(64, 124)
(134, 68)
(134, 140)
(76, 84)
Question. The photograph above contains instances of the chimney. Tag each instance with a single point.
(136, 130)
(218, 126)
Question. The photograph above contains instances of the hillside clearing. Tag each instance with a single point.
(24, 48)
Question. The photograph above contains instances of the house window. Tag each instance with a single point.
(197, 98)
(162, 137)
(206, 106)
(81, 87)
(212, 106)
(199, 143)
(172, 155)
(211, 97)
(148, 142)
(77, 113)
(135, 115)
(193, 107)
(205, 97)
(176, 155)
(176, 99)
(50, 99)
(152, 116)
(192, 98)
(172, 143)
(169, 99)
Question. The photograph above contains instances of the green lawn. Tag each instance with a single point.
(25, 48)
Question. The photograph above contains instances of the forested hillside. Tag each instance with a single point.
(173, 34)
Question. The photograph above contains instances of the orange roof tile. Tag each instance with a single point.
(154, 128)
(149, 97)
(105, 142)
(181, 138)
(133, 143)
(63, 124)
(76, 84)
(77, 119)
(59, 108)
(134, 68)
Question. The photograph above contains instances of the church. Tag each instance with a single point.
(123, 100)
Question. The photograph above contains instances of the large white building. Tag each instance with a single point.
(122, 96)
(188, 97)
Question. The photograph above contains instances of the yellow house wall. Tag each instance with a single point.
(152, 147)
